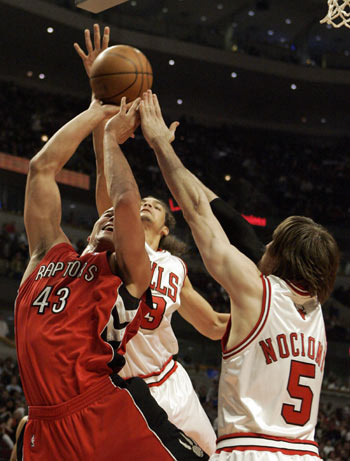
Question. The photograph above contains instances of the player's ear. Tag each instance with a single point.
(88, 238)
(165, 231)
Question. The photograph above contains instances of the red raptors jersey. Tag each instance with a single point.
(270, 383)
(65, 313)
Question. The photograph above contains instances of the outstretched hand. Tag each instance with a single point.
(152, 122)
(125, 122)
(92, 50)
(106, 111)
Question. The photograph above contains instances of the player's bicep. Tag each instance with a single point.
(42, 210)
(227, 265)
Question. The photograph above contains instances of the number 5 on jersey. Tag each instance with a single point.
(42, 300)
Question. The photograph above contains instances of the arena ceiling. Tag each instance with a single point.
(223, 23)
(258, 63)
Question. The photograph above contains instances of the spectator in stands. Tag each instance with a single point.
(4, 329)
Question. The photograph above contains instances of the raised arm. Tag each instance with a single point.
(240, 233)
(235, 272)
(42, 208)
(129, 123)
(129, 236)
(93, 49)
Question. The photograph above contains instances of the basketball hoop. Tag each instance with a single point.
(338, 13)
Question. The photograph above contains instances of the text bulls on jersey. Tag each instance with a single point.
(166, 287)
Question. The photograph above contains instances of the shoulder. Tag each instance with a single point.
(40, 257)
(175, 262)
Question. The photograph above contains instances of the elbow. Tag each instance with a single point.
(128, 199)
(35, 164)
(219, 327)
(40, 164)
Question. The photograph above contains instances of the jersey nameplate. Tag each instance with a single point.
(73, 269)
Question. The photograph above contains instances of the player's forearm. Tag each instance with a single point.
(119, 178)
(103, 201)
(208, 192)
(213, 327)
(60, 148)
(185, 190)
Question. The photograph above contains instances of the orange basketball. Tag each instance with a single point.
(120, 70)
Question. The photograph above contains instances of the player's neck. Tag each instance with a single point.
(152, 239)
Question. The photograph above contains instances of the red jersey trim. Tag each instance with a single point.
(185, 268)
(157, 373)
(265, 309)
(243, 441)
(270, 449)
(157, 378)
(265, 436)
(165, 377)
(298, 289)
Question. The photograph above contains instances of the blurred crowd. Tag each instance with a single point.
(333, 432)
(12, 405)
(13, 251)
(261, 175)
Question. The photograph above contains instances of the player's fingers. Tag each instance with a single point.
(142, 108)
(123, 105)
(144, 103)
(172, 129)
(80, 52)
(88, 43)
(157, 108)
(135, 105)
(97, 37)
(148, 99)
(105, 38)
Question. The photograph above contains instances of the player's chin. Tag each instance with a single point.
(105, 241)
(146, 217)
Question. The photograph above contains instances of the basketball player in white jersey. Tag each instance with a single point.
(150, 355)
(275, 344)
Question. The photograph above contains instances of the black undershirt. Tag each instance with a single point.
(240, 233)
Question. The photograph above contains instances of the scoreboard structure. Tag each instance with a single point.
(96, 6)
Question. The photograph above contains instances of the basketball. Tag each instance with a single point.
(120, 70)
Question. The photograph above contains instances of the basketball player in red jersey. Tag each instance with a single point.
(74, 315)
(275, 344)
(150, 353)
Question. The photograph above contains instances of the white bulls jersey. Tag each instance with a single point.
(155, 342)
(270, 383)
